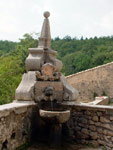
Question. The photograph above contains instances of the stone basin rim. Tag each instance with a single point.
(59, 116)
(54, 112)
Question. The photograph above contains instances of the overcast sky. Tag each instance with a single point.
(87, 18)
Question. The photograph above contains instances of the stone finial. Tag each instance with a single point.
(43, 53)
(46, 14)
(45, 37)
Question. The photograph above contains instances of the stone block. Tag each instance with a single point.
(99, 130)
(110, 133)
(105, 132)
(92, 128)
(95, 118)
(83, 120)
(112, 139)
(91, 122)
(107, 126)
(107, 138)
(101, 100)
(111, 118)
(110, 144)
(88, 112)
(85, 131)
(104, 120)
(94, 143)
(94, 135)
(77, 128)
(98, 124)
(99, 113)
(101, 142)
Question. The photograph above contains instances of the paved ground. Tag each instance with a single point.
(69, 147)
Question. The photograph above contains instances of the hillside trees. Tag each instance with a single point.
(12, 66)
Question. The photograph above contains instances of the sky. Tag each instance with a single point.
(76, 18)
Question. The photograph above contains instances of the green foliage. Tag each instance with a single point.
(104, 93)
(6, 46)
(81, 54)
(76, 55)
(10, 76)
(12, 67)
(95, 94)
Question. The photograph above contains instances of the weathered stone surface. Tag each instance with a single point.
(94, 135)
(101, 100)
(43, 54)
(111, 118)
(48, 70)
(94, 143)
(84, 121)
(93, 80)
(60, 116)
(91, 122)
(101, 142)
(110, 145)
(25, 90)
(40, 86)
(70, 93)
(98, 124)
(107, 126)
(99, 130)
(85, 131)
(92, 128)
(15, 124)
(77, 128)
(99, 113)
(95, 118)
(35, 59)
(82, 125)
(104, 120)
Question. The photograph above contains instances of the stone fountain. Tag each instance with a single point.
(44, 83)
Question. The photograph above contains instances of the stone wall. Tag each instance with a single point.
(91, 124)
(15, 124)
(88, 124)
(92, 82)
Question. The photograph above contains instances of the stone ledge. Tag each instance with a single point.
(16, 106)
(86, 106)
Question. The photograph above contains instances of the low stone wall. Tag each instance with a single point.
(91, 124)
(92, 82)
(88, 124)
(15, 124)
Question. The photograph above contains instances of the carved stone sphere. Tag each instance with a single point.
(46, 14)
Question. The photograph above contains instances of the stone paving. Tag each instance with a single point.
(67, 147)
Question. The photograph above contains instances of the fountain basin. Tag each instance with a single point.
(56, 116)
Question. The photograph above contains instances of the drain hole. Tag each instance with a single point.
(13, 135)
(24, 133)
(4, 146)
